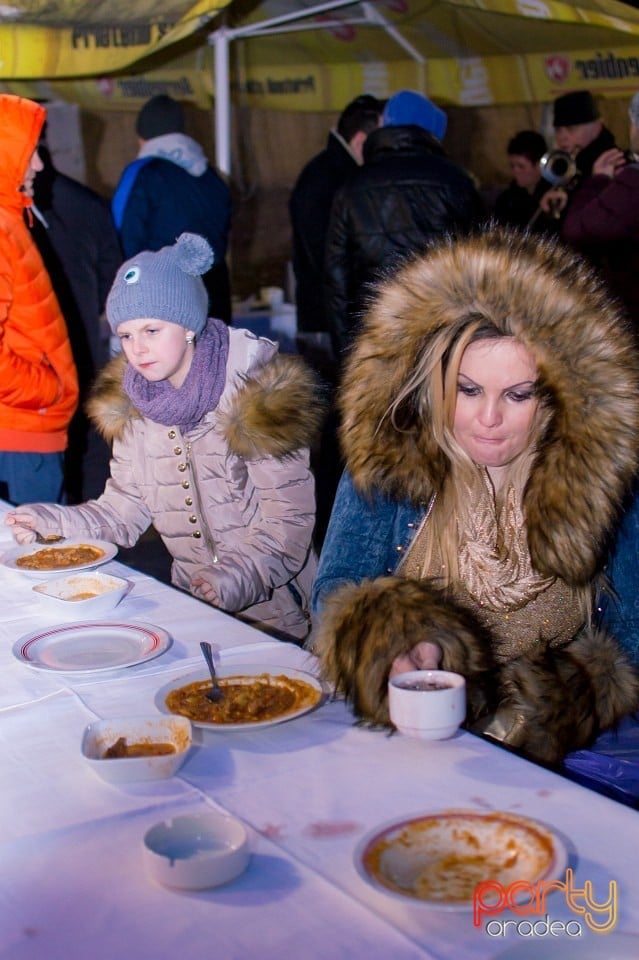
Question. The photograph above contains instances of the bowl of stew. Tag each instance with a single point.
(125, 749)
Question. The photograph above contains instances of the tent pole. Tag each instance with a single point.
(220, 40)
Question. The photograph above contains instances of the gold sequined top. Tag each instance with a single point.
(552, 616)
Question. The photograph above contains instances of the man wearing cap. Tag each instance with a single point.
(407, 194)
(171, 189)
(579, 131)
(602, 219)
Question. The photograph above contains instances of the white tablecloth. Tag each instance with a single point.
(72, 882)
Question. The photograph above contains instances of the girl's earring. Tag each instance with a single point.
(190, 338)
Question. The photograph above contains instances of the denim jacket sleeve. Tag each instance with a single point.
(367, 537)
(619, 606)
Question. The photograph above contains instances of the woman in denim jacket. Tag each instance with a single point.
(490, 430)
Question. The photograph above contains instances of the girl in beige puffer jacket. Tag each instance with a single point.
(210, 430)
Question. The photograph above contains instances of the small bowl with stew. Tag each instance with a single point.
(137, 748)
(82, 596)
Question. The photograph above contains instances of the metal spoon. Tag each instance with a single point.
(215, 694)
(48, 537)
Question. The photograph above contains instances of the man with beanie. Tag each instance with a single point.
(39, 385)
(311, 199)
(602, 219)
(407, 194)
(579, 131)
(171, 189)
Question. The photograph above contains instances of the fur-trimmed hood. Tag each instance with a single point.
(272, 411)
(547, 298)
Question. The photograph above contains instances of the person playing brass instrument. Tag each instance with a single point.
(581, 134)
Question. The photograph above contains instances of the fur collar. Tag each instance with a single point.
(274, 411)
(545, 296)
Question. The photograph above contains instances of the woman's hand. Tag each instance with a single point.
(23, 526)
(423, 656)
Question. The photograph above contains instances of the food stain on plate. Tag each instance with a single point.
(439, 859)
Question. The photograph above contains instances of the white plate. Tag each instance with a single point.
(10, 557)
(438, 859)
(242, 670)
(91, 645)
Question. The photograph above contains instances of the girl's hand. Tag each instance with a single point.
(205, 591)
(423, 656)
(23, 526)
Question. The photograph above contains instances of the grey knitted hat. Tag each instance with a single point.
(163, 285)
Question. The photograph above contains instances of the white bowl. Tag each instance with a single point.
(428, 704)
(102, 734)
(196, 851)
(82, 596)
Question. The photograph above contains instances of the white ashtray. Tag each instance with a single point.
(140, 734)
(196, 851)
(82, 595)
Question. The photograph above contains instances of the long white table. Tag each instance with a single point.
(72, 880)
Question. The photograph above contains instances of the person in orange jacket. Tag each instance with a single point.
(38, 379)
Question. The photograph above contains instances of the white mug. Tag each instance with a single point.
(429, 704)
(274, 296)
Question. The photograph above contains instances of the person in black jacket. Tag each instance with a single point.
(76, 237)
(171, 189)
(579, 132)
(518, 205)
(407, 194)
(311, 199)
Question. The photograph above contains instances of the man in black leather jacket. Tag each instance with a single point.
(406, 195)
(310, 204)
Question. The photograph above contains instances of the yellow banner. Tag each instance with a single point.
(470, 81)
(31, 51)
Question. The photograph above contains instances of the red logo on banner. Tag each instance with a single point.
(557, 68)
(344, 31)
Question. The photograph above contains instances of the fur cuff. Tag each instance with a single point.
(365, 626)
(564, 698)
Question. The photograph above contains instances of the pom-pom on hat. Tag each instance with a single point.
(163, 285)
(575, 108)
(158, 116)
(409, 107)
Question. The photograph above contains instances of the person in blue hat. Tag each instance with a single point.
(407, 194)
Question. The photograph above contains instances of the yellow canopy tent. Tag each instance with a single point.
(301, 55)
(49, 39)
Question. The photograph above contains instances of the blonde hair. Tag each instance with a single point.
(432, 390)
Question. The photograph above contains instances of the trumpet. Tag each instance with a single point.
(558, 168)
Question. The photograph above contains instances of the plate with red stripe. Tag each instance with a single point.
(91, 646)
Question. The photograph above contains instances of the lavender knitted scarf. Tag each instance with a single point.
(185, 406)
